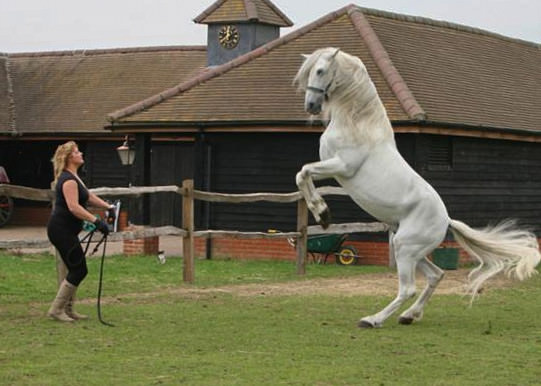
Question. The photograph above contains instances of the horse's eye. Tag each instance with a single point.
(320, 71)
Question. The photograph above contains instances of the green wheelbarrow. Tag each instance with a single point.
(320, 247)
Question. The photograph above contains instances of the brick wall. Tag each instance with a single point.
(371, 253)
(279, 249)
(122, 220)
(146, 246)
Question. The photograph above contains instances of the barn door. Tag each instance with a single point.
(171, 162)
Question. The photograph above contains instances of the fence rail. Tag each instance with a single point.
(187, 232)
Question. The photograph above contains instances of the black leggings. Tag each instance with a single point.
(67, 243)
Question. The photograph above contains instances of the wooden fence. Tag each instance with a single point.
(187, 232)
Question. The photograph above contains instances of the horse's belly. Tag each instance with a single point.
(383, 210)
(390, 201)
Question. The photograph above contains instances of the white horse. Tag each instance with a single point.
(358, 149)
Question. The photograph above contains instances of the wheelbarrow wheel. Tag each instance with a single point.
(347, 255)
(6, 209)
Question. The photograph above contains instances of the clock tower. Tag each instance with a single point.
(236, 27)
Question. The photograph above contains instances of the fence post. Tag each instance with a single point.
(187, 225)
(302, 224)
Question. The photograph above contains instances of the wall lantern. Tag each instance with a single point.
(126, 153)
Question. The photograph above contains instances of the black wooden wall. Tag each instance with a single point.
(171, 162)
(248, 163)
(481, 181)
(484, 181)
(28, 163)
(102, 165)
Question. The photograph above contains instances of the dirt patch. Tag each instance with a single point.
(454, 282)
(386, 284)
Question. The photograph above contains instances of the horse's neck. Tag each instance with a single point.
(363, 121)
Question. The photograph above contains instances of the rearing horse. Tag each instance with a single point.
(358, 149)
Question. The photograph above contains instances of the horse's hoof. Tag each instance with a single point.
(405, 321)
(325, 218)
(365, 324)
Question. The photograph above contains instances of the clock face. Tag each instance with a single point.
(228, 36)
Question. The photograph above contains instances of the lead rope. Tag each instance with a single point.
(100, 282)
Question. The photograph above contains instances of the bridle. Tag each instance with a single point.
(325, 91)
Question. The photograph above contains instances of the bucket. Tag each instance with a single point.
(446, 258)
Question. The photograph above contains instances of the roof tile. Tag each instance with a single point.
(453, 74)
(74, 91)
(462, 75)
(4, 97)
(423, 69)
(258, 86)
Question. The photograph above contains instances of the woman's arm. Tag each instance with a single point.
(98, 202)
(71, 194)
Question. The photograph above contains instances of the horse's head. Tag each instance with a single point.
(316, 77)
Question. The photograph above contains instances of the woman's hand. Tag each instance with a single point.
(102, 226)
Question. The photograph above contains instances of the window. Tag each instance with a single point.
(440, 153)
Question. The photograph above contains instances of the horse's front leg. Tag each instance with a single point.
(305, 182)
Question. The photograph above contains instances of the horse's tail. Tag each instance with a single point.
(499, 248)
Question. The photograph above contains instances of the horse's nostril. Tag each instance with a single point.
(311, 105)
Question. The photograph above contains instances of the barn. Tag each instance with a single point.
(464, 104)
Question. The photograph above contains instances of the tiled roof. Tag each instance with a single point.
(258, 86)
(423, 69)
(462, 75)
(73, 91)
(5, 118)
(263, 11)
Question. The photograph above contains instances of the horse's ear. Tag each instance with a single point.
(304, 56)
(335, 53)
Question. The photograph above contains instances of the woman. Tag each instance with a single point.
(66, 223)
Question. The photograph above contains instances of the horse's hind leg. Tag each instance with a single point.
(433, 276)
(406, 288)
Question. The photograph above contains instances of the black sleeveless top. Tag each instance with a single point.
(61, 212)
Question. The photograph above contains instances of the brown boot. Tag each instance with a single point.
(71, 312)
(65, 292)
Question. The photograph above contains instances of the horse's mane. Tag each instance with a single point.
(353, 100)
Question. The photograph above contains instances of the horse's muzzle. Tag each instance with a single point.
(313, 108)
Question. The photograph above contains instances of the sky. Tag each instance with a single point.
(57, 25)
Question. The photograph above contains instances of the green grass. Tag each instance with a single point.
(32, 277)
(218, 338)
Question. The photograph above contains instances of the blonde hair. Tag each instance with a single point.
(60, 158)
